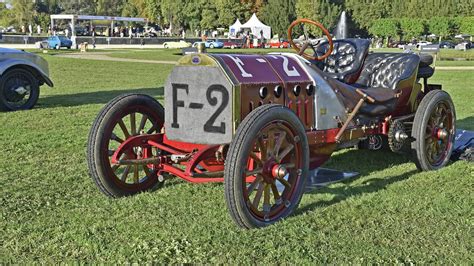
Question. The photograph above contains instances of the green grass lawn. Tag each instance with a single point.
(52, 212)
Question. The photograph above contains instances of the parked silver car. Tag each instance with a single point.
(21, 76)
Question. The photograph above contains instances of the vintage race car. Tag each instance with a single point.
(264, 124)
(21, 75)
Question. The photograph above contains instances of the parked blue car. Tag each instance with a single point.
(211, 44)
(56, 42)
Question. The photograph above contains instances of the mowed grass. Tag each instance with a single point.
(51, 210)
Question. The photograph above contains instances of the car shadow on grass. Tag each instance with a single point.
(364, 162)
(97, 97)
(465, 123)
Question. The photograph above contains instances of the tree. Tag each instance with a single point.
(411, 28)
(7, 17)
(106, 7)
(384, 28)
(172, 11)
(77, 6)
(23, 11)
(318, 10)
(467, 26)
(440, 26)
(279, 14)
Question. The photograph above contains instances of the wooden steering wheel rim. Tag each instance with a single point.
(317, 24)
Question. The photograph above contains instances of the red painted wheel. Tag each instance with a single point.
(122, 118)
(434, 131)
(266, 167)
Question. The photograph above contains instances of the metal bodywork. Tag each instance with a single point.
(11, 58)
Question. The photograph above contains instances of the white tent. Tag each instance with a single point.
(257, 27)
(235, 28)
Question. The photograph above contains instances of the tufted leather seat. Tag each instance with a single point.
(386, 70)
(346, 59)
(380, 79)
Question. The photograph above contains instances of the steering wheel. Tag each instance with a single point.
(307, 42)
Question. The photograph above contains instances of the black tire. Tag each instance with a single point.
(435, 116)
(57, 47)
(211, 46)
(12, 80)
(165, 46)
(100, 136)
(238, 157)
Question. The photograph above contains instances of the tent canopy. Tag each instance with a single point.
(257, 27)
(235, 28)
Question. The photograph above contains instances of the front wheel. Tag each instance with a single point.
(211, 46)
(122, 118)
(434, 131)
(266, 167)
(19, 90)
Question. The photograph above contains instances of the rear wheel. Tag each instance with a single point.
(122, 118)
(434, 131)
(211, 46)
(266, 167)
(57, 47)
(19, 90)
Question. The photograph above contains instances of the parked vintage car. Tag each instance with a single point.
(278, 43)
(422, 43)
(21, 75)
(446, 45)
(56, 42)
(211, 44)
(264, 124)
(176, 45)
(232, 44)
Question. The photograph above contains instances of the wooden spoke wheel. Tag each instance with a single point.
(122, 118)
(266, 167)
(434, 131)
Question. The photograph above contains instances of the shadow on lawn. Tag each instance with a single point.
(364, 162)
(466, 123)
(97, 97)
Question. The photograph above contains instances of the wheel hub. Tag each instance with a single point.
(441, 133)
(279, 171)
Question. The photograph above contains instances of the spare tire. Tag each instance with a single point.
(425, 60)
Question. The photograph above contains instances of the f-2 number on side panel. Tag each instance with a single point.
(209, 126)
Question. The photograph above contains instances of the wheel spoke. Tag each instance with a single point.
(135, 174)
(114, 137)
(284, 182)
(279, 142)
(270, 144)
(125, 173)
(153, 128)
(276, 194)
(254, 184)
(255, 158)
(124, 128)
(115, 167)
(262, 147)
(266, 199)
(146, 170)
(111, 152)
(285, 152)
(133, 124)
(142, 123)
(258, 196)
(253, 172)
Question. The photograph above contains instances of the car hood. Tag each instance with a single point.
(10, 51)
